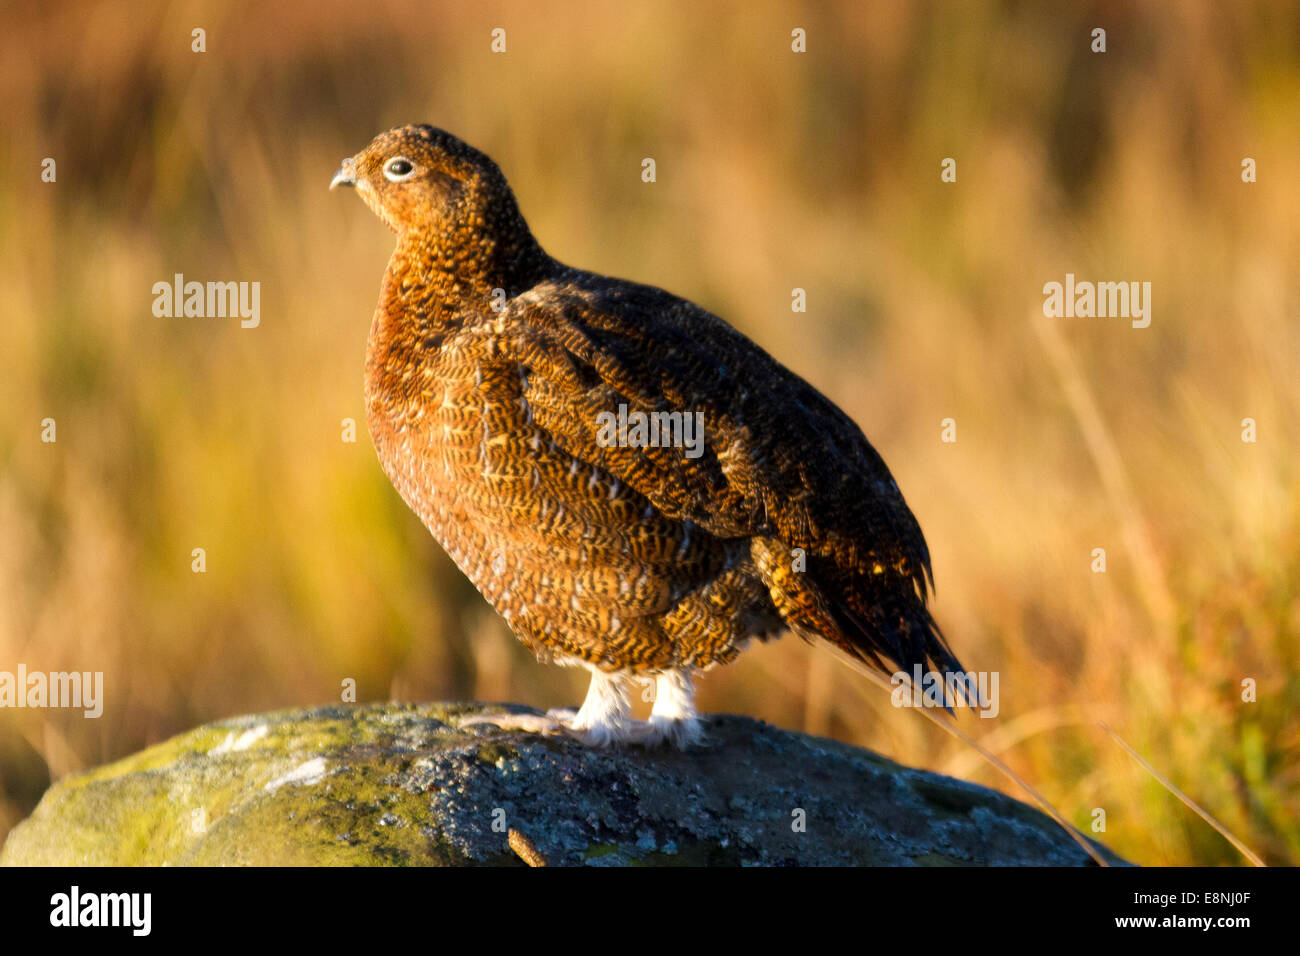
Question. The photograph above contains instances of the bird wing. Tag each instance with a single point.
(778, 462)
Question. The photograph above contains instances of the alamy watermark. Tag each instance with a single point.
(208, 300)
(58, 689)
(131, 911)
(1125, 300)
(977, 690)
(638, 429)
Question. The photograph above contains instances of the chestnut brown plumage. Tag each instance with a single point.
(489, 372)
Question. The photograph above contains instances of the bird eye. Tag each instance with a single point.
(398, 169)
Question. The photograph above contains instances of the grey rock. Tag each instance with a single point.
(396, 784)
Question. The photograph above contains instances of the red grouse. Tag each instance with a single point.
(635, 486)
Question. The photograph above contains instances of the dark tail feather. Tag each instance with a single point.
(902, 638)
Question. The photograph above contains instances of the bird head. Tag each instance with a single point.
(443, 196)
(417, 177)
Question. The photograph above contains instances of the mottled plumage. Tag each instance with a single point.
(488, 367)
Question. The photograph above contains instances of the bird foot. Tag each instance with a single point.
(678, 733)
(655, 732)
(531, 723)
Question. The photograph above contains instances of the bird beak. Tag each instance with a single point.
(345, 176)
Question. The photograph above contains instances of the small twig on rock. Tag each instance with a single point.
(525, 848)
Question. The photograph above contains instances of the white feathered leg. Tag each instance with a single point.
(673, 719)
(604, 717)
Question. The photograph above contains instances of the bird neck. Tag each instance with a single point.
(438, 284)
(462, 268)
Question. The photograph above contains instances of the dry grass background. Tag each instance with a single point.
(775, 171)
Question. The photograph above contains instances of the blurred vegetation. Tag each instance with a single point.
(775, 170)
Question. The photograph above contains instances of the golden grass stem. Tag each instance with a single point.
(1187, 801)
